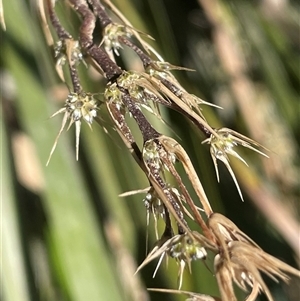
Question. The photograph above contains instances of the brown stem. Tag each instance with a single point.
(75, 79)
(125, 133)
(111, 70)
(59, 29)
(65, 37)
(146, 128)
(100, 12)
(144, 57)
(88, 23)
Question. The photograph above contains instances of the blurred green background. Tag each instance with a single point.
(65, 233)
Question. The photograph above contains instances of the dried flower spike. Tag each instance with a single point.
(241, 260)
(238, 260)
(244, 267)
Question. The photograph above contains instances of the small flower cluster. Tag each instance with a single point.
(78, 106)
(223, 144)
(155, 207)
(111, 35)
(113, 95)
(152, 155)
(68, 49)
(69, 52)
(141, 91)
(182, 247)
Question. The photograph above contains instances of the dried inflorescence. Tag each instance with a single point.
(241, 260)
(237, 259)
